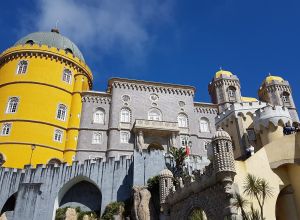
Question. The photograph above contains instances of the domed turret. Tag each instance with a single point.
(222, 73)
(51, 39)
(165, 184)
(277, 91)
(224, 89)
(223, 159)
(42, 78)
(221, 134)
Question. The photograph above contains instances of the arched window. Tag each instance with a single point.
(286, 98)
(54, 161)
(99, 116)
(22, 67)
(61, 112)
(204, 125)
(125, 115)
(154, 115)
(182, 120)
(232, 93)
(67, 76)
(6, 128)
(12, 105)
(97, 138)
(58, 135)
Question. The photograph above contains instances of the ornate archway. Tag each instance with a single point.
(155, 146)
(10, 204)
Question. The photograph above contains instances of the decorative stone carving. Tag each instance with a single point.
(140, 141)
(142, 206)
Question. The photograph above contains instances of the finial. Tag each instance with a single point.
(55, 30)
(270, 74)
(221, 68)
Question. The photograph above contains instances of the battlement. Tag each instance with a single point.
(239, 109)
(98, 97)
(277, 115)
(201, 180)
(48, 52)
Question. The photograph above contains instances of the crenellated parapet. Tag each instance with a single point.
(237, 110)
(145, 86)
(46, 52)
(275, 115)
(215, 180)
(96, 97)
(205, 108)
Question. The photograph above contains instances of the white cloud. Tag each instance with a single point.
(107, 26)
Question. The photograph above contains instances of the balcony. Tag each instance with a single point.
(150, 125)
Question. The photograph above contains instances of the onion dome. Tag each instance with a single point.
(221, 73)
(271, 78)
(166, 173)
(51, 39)
(221, 134)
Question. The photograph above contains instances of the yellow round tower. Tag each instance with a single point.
(41, 80)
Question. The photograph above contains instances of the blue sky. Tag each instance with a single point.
(183, 42)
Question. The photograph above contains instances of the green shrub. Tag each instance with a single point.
(61, 213)
(112, 209)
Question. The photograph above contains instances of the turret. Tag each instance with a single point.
(223, 159)
(269, 122)
(224, 89)
(165, 185)
(277, 91)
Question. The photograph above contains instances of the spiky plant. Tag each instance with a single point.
(259, 189)
(241, 204)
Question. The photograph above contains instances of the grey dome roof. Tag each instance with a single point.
(221, 134)
(52, 39)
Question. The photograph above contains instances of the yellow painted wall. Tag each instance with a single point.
(40, 90)
(275, 163)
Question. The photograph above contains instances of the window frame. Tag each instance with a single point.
(57, 130)
(19, 65)
(94, 116)
(231, 91)
(208, 129)
(100, 137)
(186, 121)
(66, 112)
(127, 139)
(155, 110)
(9, 124)
(8, 104)
(70, 75)
(127, 119)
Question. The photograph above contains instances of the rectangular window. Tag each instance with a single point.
(58, 135)
(67, 76)
(6, 128)
(184, 139)
(97, 138)
(12, 105)
(22, 67)
(61, 112)
(124, 137)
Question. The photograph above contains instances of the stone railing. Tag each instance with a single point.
(156, 125)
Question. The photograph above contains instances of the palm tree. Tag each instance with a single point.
(241, 203)
(254, 214)
(259, 189)
(179, 155)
